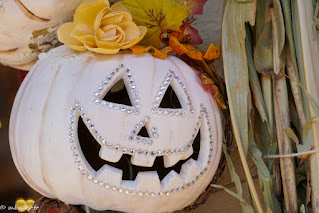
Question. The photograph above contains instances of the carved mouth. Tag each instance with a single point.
(91, 148)
(124, 177)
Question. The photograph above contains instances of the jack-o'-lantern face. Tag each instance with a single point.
(28, 27)
(144, 135)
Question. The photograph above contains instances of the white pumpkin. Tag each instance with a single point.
(66, 87)
(28, 27)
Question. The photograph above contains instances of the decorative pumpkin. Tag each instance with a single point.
(74, 136)
(28, 27)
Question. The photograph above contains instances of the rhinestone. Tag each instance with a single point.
(153, 110)
(133, 86)
(114, 188)
(132, 151)
(146, 194)
(165, 112)
(129, 111)
(152, 194)
(129, 75)
(75, 155)
(92, 126)
(122, 65)
(140, 151)
(127, 191)
(136, 112)
(109, 146)
(183, 114)
(177, 113)
(160, 93)
(178, 189)
(205, 169)
(101, 183)
(160, 194)
(83, 115)
(144, 141)
(73, 148)
(165, 83)
(84, 172)
(171, 151)
(173, 190)
(80, 167)
(123, 109)
(103, 141)
(73, 109)
(138, 106)
(157, 98)
(104, 82)
(167, 79)
(146, 152)
(133, 192)
(116, 147)
(113, 73)
(127, 70)
(121, 190)
(124, 150)
(107, 186)
(117, 69)
(131, 81)
(103, 103)
(171, 113)
(77, 162)
(100, 88)
(162, 88)
(193, 182)
(77, 103)
(110, 106)
(135, 93)
(155, 135)
(159, 152)
(147, 119)
(90, 177)
(154, 129)
(160, 111)
(153, 153)
(150, 142)
(188, 185)
(138, 139)
(97, 101)
(155, 104)
(140, 193)
(131, 138)
(116, 107)
(109, 77)
(165, 152)
(71, 141)
(167, 193)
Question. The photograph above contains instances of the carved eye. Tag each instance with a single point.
(170, 100)
(118, 94)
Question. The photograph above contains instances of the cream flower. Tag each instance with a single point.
(100, 28)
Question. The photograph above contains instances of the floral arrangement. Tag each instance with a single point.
(159, 27)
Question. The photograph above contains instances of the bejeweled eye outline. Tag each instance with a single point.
(156, 109)
(106, 86)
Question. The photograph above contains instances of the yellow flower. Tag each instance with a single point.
(100, 28)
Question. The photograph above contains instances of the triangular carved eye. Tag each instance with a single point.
(118, 94)
(170, 100)
(123, 95)
(143, 132)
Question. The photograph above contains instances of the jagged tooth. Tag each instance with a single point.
(172, 159)
(172, 180)
(148, 181)
(143, 160)
(111, 174)
(110, 154)
(190, 169)
(187, 154)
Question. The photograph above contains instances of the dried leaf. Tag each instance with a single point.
(213, 52)
(209, 85)
(187, 49)
(157, 16)
(193, 34)
(161, 54)
(306, 127)
(194, 7)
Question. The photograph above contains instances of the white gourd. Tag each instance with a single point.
(65, 86)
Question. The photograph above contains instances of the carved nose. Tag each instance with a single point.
(144, 133)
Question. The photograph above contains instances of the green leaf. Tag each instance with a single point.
(290, 133)
(246, 207)
(157, 16)
(265, 178)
